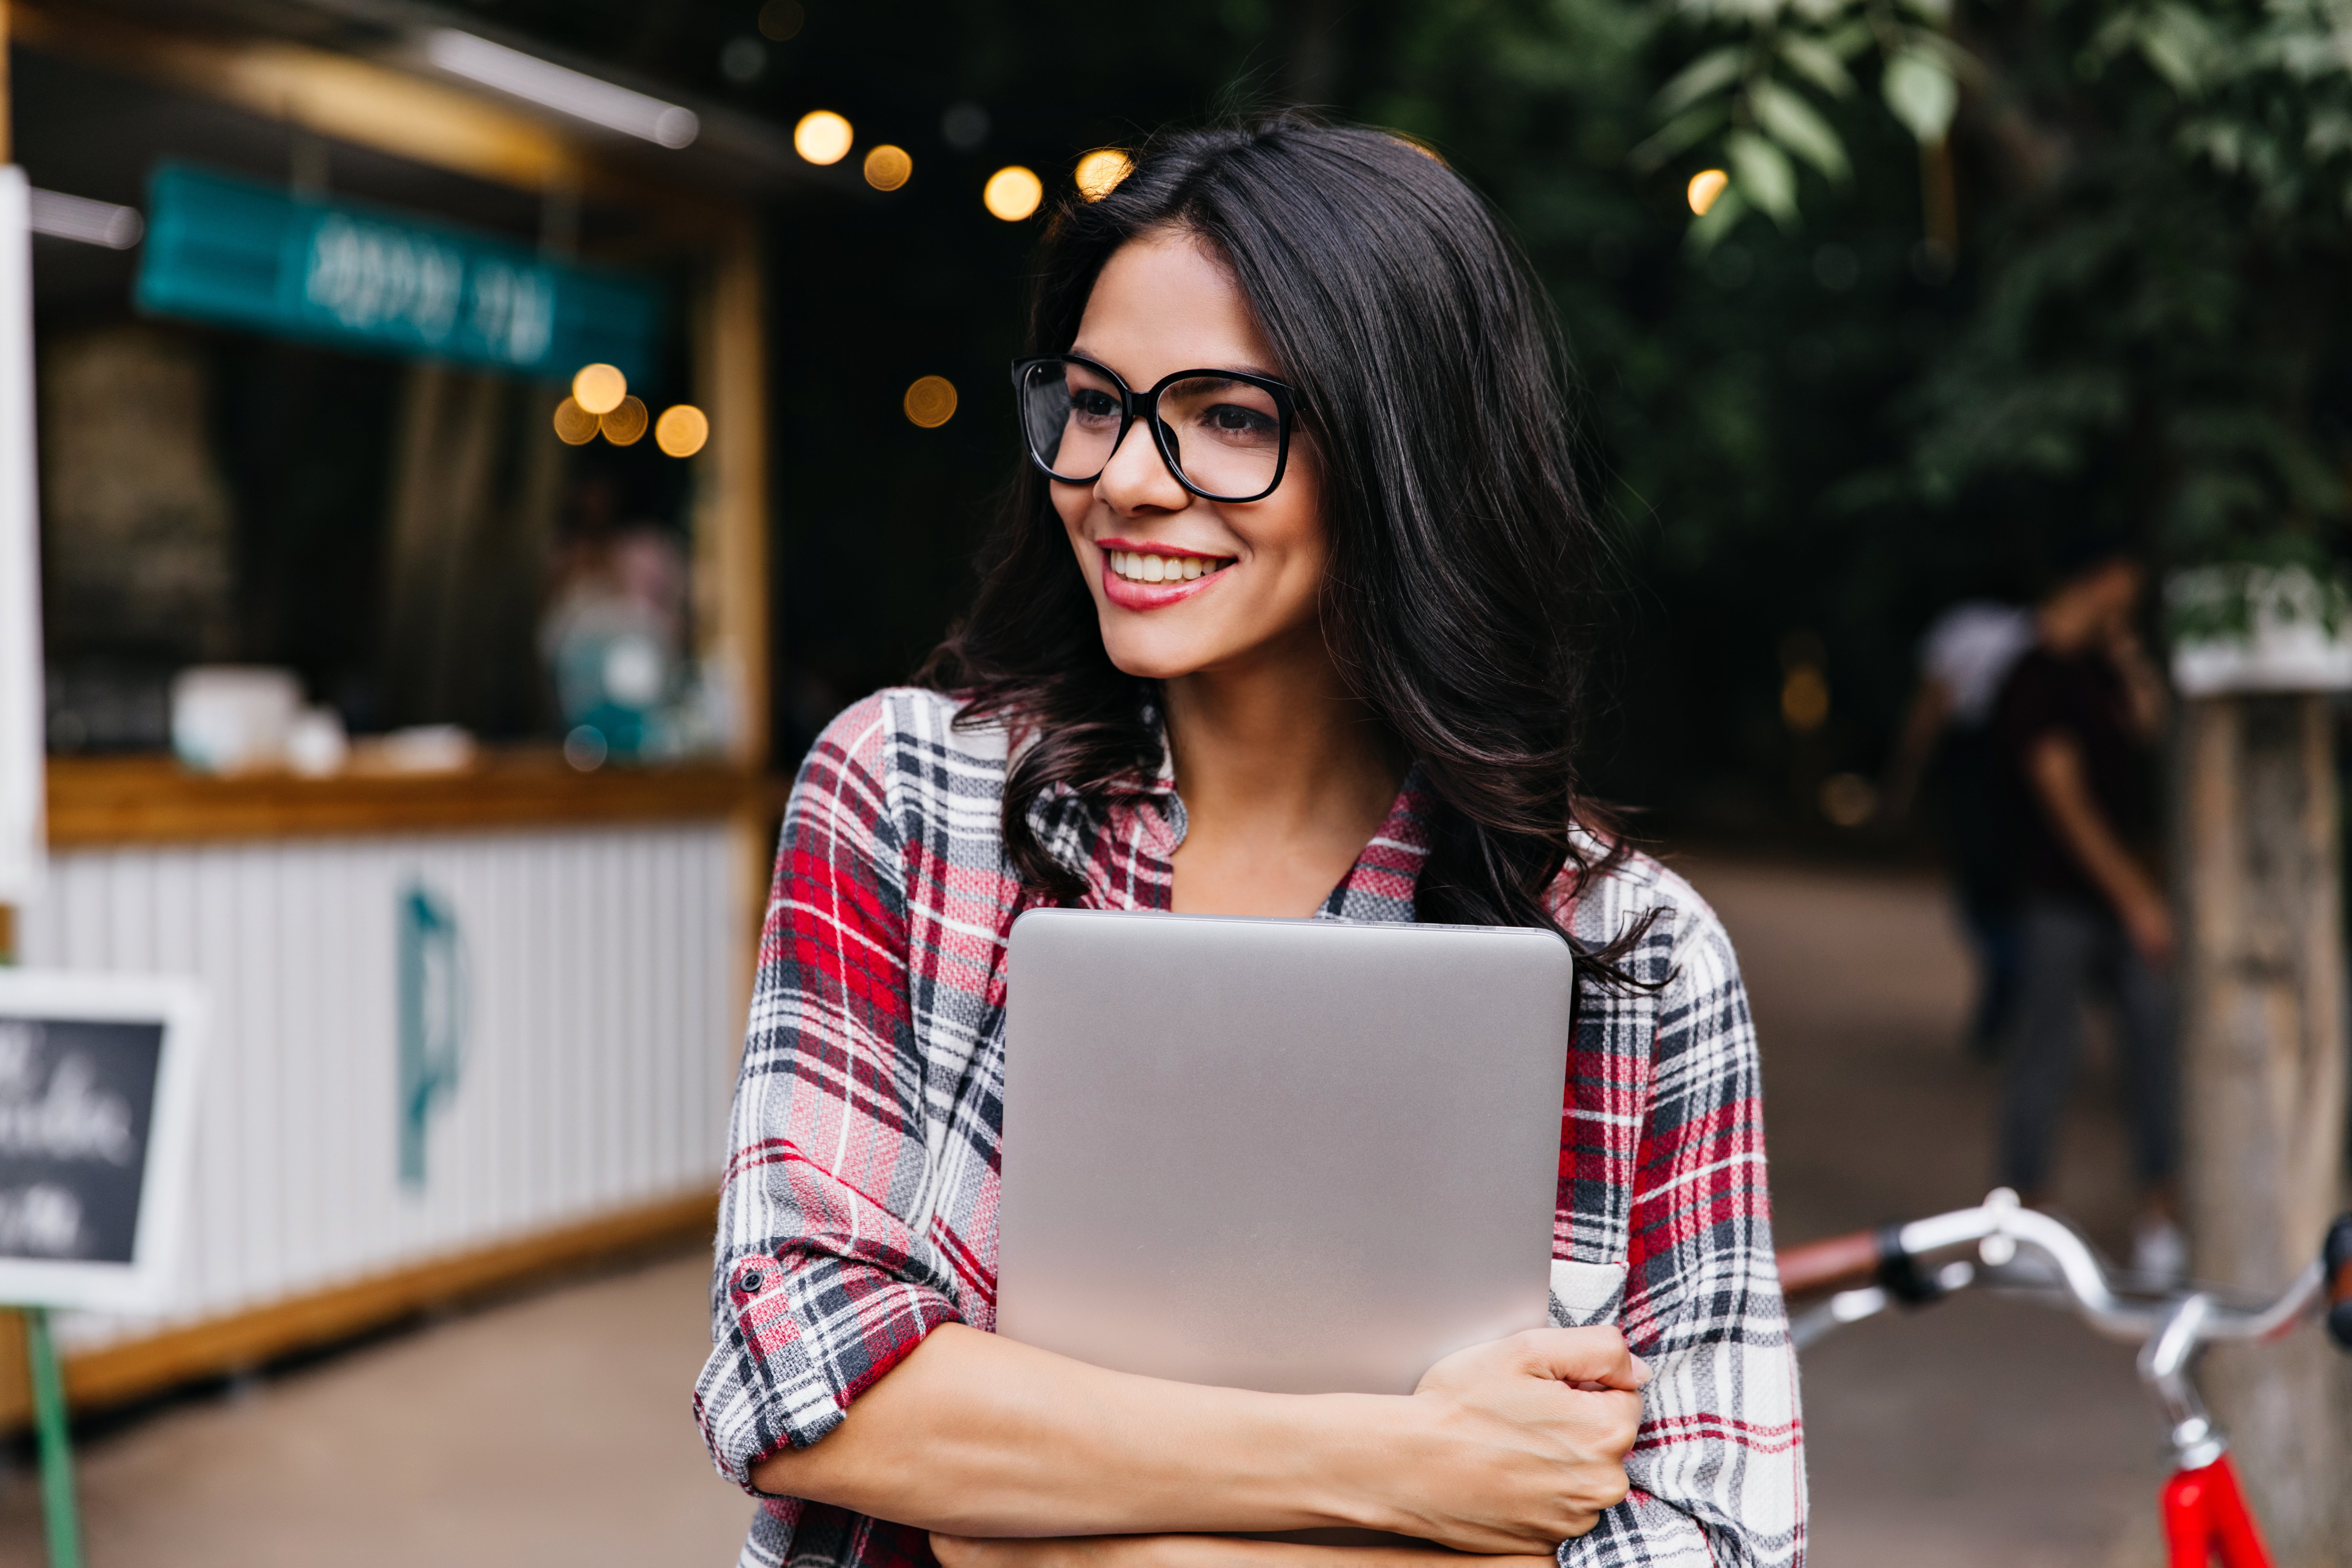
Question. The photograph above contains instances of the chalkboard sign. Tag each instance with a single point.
(96, 1097)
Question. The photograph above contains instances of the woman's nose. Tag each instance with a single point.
(1136, 479)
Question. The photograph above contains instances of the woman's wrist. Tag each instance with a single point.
(1366, 1445)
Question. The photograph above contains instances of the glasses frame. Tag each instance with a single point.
(1143, 407)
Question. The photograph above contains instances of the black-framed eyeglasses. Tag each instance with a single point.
(1225, 433)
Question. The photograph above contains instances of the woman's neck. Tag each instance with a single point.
(1285, 776)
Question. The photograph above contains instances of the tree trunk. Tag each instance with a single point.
(2262, 1065)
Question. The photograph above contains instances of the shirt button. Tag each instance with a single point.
(752, 1280)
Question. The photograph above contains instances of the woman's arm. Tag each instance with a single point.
(1195, 1552)
(976, 1435)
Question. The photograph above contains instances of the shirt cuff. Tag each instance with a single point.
(795, 1346)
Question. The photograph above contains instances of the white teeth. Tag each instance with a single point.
(1137, 567)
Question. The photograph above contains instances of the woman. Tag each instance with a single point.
(1286, 618)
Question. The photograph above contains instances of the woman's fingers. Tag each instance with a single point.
(1586, 1356)
(1582, 1357)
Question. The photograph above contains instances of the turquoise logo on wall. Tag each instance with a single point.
(246, 255)
(432, 1020)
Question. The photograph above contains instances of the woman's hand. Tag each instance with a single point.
(1517, 1445)
(1190, 1552)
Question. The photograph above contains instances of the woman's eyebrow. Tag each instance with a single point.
(1243, 368)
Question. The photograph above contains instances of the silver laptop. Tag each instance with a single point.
(1303, 1156)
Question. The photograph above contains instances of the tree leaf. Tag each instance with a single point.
(1789, 119)
(1677, 135)
(1763, 174)
(1922, 94)
(1819, 12)
(1818, 63)
(1708, 228)
(1709, 73)
(2178, 45)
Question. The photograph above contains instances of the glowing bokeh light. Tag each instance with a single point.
(889, 167)
(599, 388)
(822, 137)
(931, 401)
(681, 430)
(624, 424)
(1705, 188)
(1012, 192)
(1100, 171)
(574, 425)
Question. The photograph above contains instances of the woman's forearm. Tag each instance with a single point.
(974, 1435)
(1509, 1447)
(1196, 1552)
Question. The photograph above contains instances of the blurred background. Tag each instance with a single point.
(481, 445)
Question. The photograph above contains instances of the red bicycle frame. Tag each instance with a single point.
(2205, 1517)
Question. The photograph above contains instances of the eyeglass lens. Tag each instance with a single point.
(1227, 434)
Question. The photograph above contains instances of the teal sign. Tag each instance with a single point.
(240, 254)
(432, 1020)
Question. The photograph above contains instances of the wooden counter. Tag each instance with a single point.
(102, 801)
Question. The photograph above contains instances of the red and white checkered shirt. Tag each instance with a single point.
(860, 1203)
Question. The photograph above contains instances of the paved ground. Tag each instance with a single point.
(554, 1429)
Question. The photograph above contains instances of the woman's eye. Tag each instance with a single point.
(1233, 420)
(1090, 405)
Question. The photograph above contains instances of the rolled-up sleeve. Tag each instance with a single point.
(1718, 1471)
(822, 1281)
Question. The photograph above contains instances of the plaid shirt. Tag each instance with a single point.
(860, 1203)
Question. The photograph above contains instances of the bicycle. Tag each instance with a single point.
(2205, 1512)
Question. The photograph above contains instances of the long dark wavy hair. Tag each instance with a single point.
(1465, 565)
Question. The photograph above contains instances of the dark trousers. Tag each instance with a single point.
(1983, 857)
(2070, 952)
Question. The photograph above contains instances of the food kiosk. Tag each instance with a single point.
(316, 479)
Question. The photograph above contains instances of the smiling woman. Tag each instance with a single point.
(1287, 615)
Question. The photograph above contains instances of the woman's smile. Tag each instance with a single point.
(1141, 576)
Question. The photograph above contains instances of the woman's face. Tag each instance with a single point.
(1183, 584)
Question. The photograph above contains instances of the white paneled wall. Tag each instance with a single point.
(597, 1020)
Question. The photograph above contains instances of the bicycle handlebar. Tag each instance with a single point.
(1890, 1258)
(2336, 1259)
(1836, 1263)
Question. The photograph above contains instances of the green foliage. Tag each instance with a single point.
(2159, 193)
(1751, 87)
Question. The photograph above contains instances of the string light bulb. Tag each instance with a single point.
(1100, 171)
(574, 425)
(1012, 192)
(599, 388)
(889, 167)
(822, 137)
(681, 430)
(626, 422)
(931, 402)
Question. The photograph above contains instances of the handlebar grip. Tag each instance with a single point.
(2338, 1257)
(1839, 1262)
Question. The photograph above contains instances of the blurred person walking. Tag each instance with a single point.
(2075, 725)
(1964, 660)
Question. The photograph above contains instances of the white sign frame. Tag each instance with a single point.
(24, 835)
(178, 1004)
